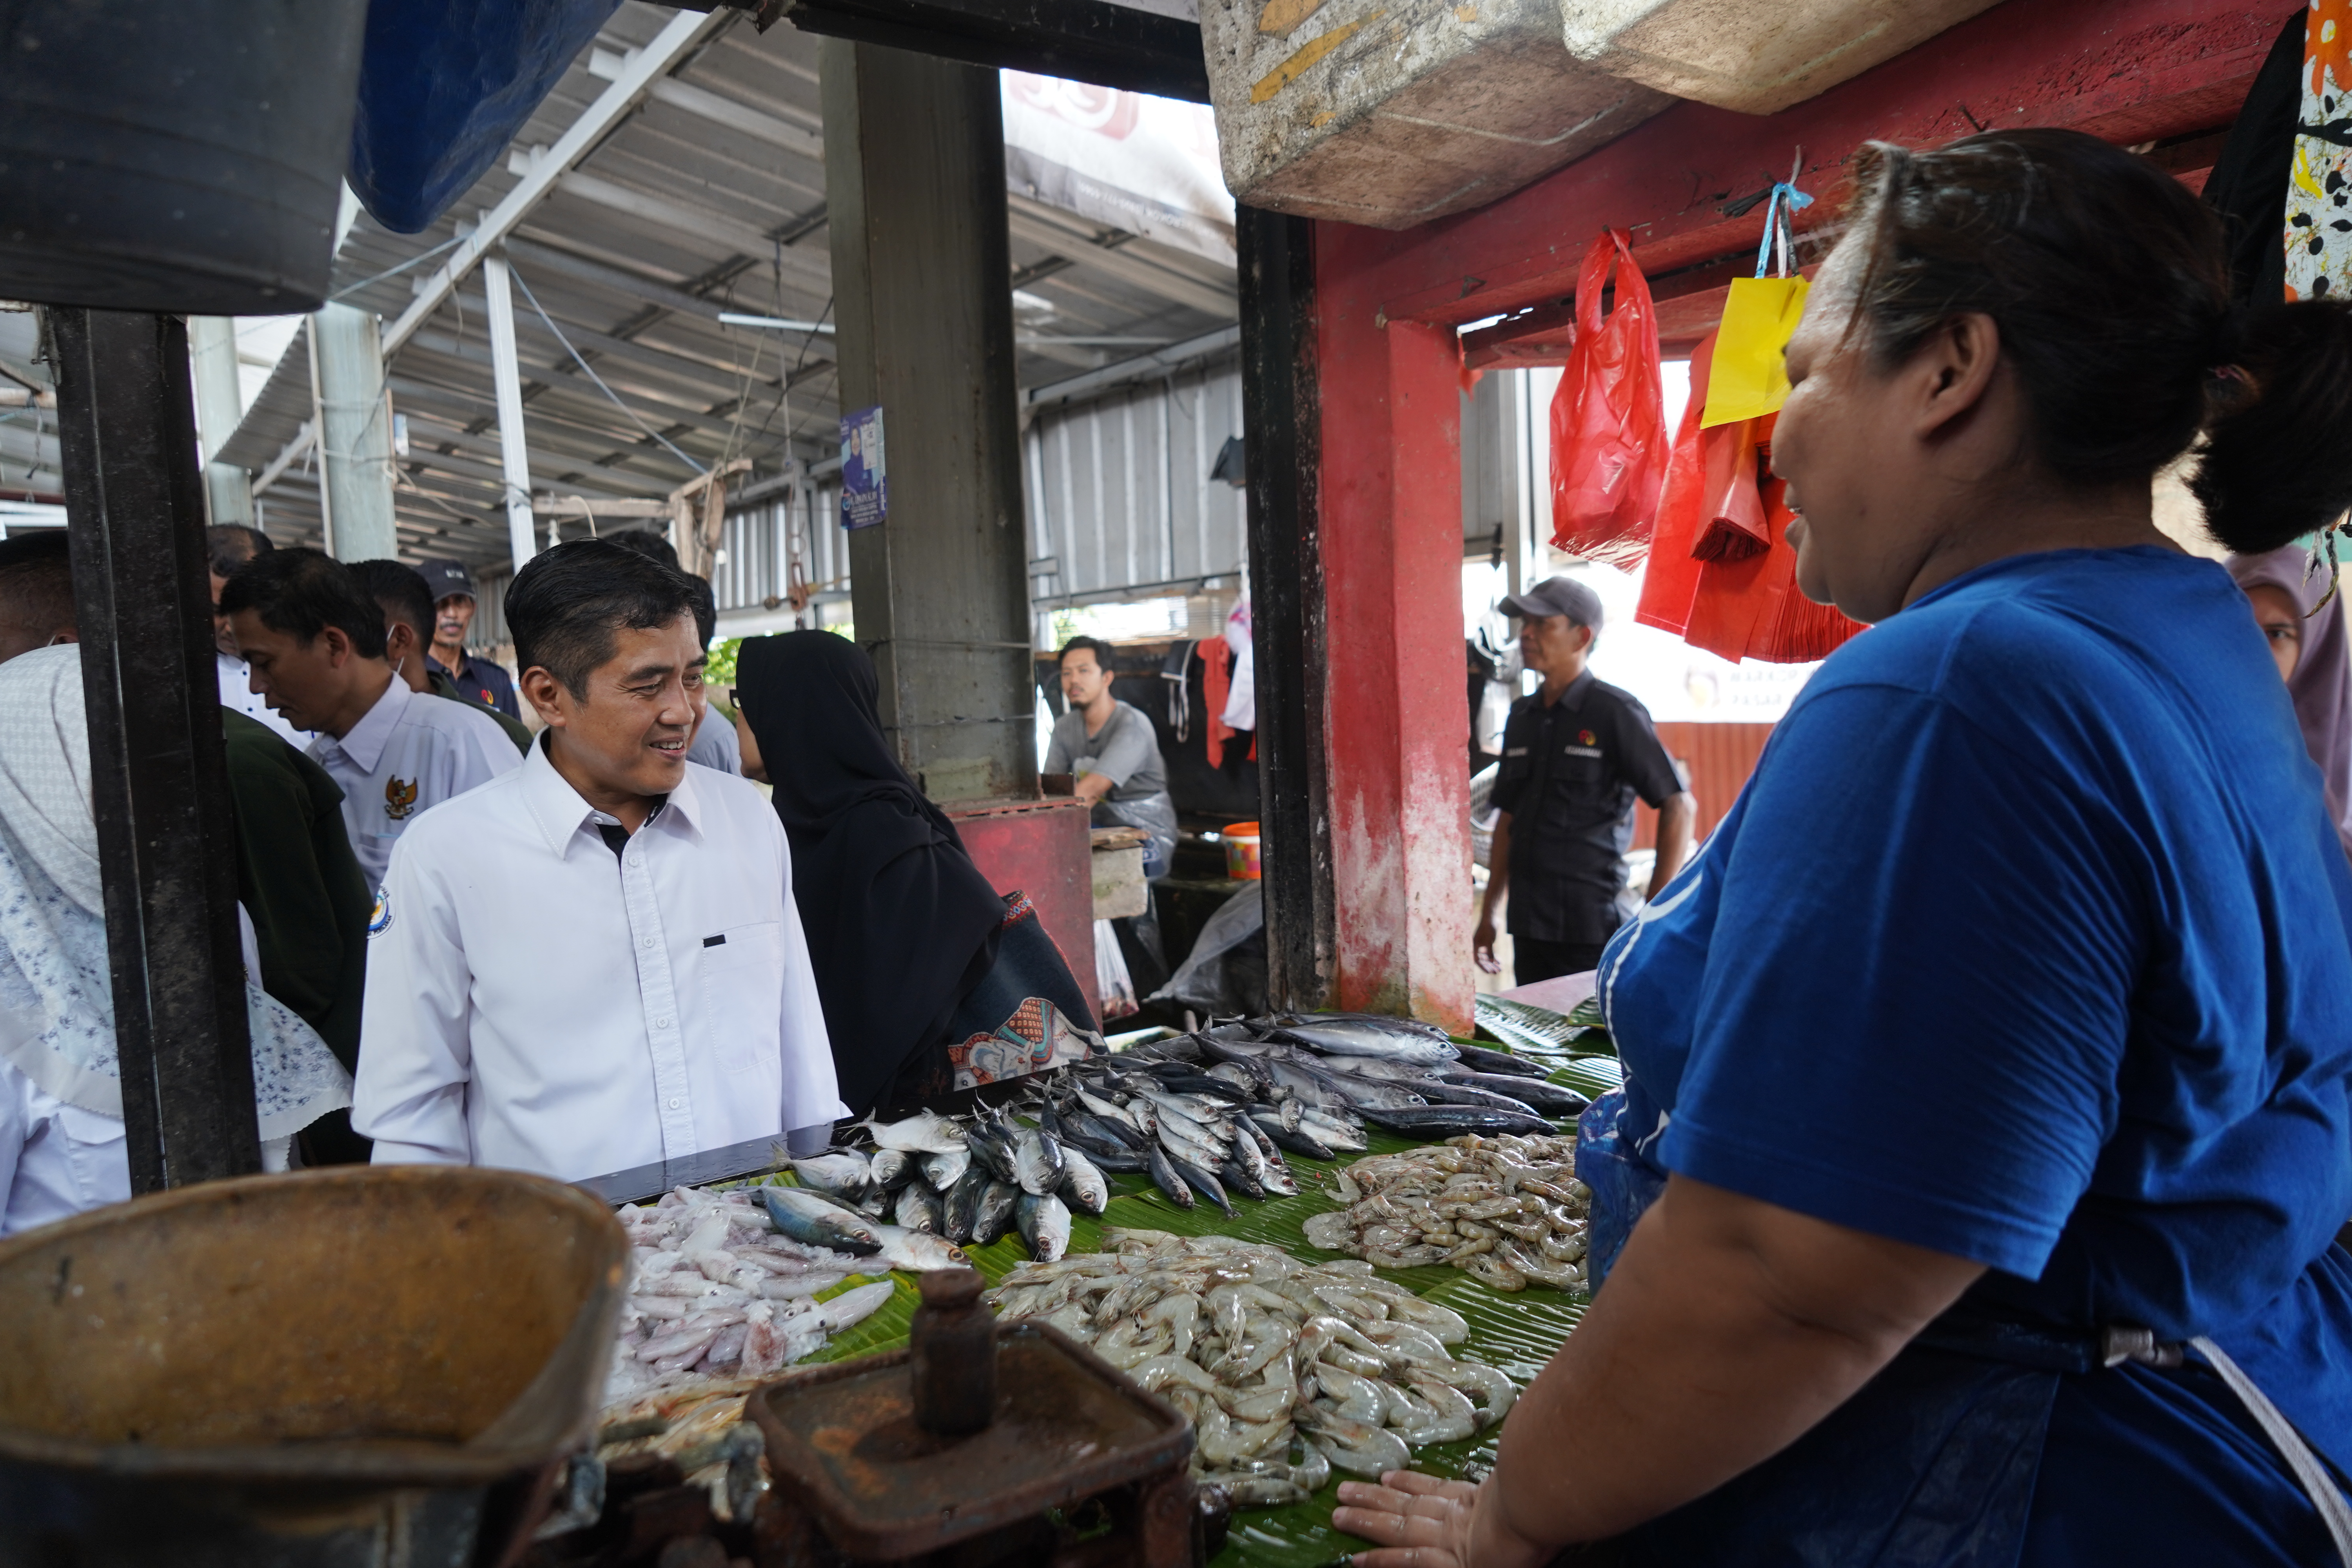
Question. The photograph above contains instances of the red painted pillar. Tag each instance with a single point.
(1396, 724)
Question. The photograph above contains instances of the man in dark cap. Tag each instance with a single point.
(453, 613)
(1575, 755)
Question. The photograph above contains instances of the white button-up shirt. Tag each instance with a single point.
(236, 692)
(536, 1002)
(412, 751)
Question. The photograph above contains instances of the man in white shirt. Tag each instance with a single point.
(594, 963)
(315, 640)
(230, 545)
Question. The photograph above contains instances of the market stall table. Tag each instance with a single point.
(1514, 1334)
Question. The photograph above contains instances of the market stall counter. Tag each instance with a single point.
(1384, 1298)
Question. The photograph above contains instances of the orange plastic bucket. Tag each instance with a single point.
(1241, 852)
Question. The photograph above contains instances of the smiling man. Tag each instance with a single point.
(594, 963)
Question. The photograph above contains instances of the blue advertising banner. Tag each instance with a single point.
(865, 477)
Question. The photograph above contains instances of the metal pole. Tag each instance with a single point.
(159, 770)
(354, 432)
(319, 441)
(506, 372)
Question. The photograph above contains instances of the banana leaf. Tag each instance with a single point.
(1517, 1333)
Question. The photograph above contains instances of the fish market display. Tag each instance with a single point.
(719, 1288)
(1504, 1210)
(1287, 1369)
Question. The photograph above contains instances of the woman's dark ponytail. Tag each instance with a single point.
(2277, 461)
(2108, 282)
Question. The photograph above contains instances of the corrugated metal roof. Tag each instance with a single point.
(709, 195)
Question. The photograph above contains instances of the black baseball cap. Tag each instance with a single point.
(1556, 597)
(445, 578)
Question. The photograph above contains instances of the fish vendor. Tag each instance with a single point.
(1988, 1104)
(1575, 756)
(594, 961)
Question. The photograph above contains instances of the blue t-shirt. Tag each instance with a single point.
(2031, 941)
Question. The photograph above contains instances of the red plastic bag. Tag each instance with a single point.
(1708, 581)
(1609, 447)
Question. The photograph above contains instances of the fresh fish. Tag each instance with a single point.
(1545, 1099)
(1164, 1174)
(892, 1168)
(1036, 1161)
(851, 1175)
(918, 1208)
(1388, 1023)
(1481, 1059)
(1362, 1037)
(991, 1147)
(994, 1215)
(1297, 1141)
(1453, 1121)
(852, 1307)
(817, 1221)
(962, 1206)
(925, 1133)
(1044, 1225)
(943, 1171)
(918, 1251)
(1110, 1110)
(1082, 1184)
(1233, 1175)
(1094, 1135)
(1451, 1093)
(1206, 1185)
(1308, 1084)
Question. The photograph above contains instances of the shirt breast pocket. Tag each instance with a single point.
(743, 993)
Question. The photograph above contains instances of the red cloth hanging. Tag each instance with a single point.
(1216, 683)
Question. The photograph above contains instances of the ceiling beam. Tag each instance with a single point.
(1134, 270)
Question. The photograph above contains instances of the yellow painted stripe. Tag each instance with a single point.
(1313, 49)
(1281, 16)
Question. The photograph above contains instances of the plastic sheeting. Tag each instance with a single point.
(445, 84)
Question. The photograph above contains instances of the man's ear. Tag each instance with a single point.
(546, 694)
(337, 643)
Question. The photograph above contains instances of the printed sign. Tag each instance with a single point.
(864, 477)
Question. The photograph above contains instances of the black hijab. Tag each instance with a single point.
(896, 914)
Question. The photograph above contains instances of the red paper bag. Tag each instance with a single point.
(1608, 447)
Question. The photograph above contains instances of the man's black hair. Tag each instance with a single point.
(229, 545)
(302, 593)
(402, 593)
(37, 579)
(650, 545)
(654, 547)
(1096, 646)
(564, 608)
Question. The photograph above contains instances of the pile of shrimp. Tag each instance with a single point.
(1503, 1210)
(1287, 1369)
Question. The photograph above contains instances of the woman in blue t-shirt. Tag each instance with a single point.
(1989, 1065)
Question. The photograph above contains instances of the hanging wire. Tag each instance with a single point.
(395, 272)
(599, 380)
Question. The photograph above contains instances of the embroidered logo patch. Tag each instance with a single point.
(1586, 738)
(399, 798)
(380, 917)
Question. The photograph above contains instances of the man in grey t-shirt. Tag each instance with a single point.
(1113, 749)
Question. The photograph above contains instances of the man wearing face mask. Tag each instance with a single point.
(594, 963)
(315, 642)
(1575, 755)
(407, 604)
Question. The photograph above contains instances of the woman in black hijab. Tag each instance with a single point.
(926, 976)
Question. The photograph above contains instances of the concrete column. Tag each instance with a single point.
(220, 403)
(1391, 519)
(914, 163)
(506, 377)
(356, 449)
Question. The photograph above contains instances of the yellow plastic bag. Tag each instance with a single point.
(1749, 379)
